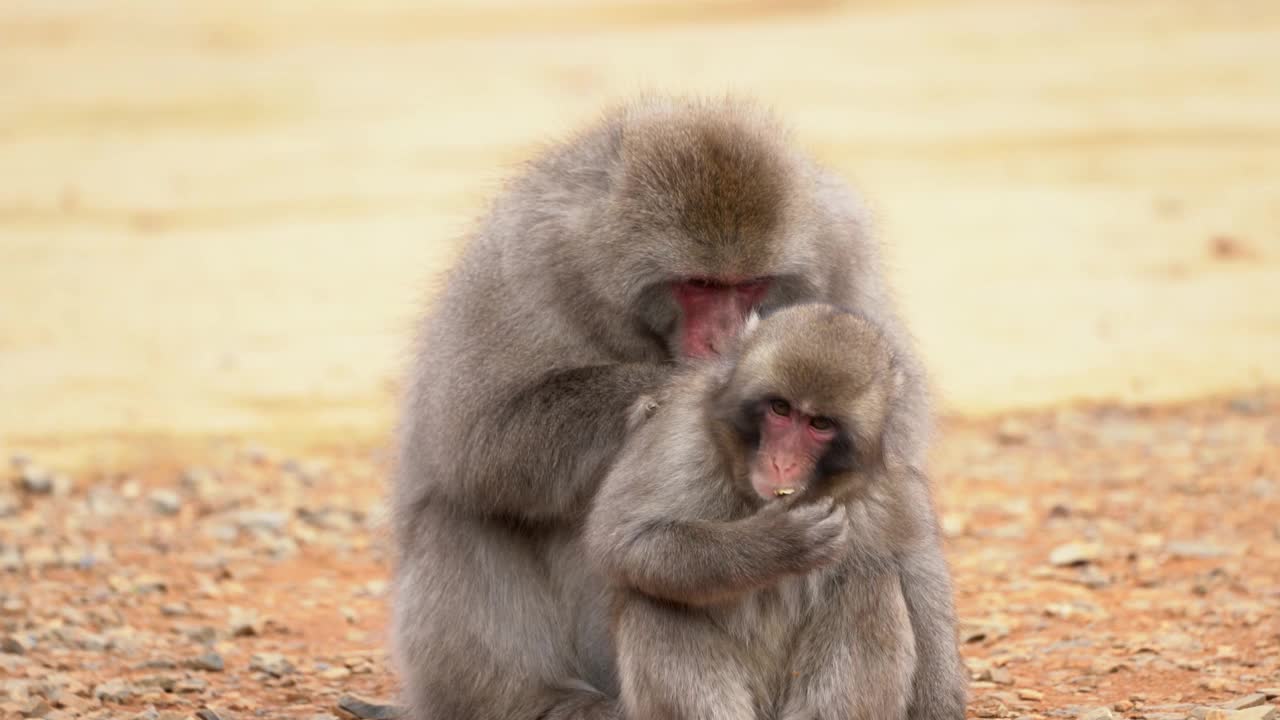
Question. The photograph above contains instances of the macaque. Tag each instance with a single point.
(755, 532)
(639, 243)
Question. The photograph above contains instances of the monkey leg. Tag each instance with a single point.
(675, 664)
(856, 657)
(482, 630)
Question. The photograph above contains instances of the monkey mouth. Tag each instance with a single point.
(784, 491)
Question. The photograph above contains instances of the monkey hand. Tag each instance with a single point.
(809, 535)
(641, 410)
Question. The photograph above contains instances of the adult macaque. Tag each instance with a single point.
(642, 240)
(756, 531)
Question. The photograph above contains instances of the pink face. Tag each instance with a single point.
(791, 444)
(714, 312)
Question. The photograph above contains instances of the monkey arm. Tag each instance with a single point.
(693, 562)
(542, 453)
(940, 687)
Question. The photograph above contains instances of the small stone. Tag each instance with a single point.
(1194, 549)
(202, 634)
(1076, 553)
(214, 713)
(191, 685)
(164, 682)
(335, 673)
(244, 622)
(362, 709)
(1029, 694)
(149, 713)
(999, 676)
(1012, 432)
(1106, 666)
(261, 520)
(175, 609)
(36, 708)
(116, 690)
(323, 716)
(1261, 712)
(274, 664)
(209, 662)
(1215, 684)
(148, 584)
(165, 502)
(35, 479)
(1098, 714)
(16, 644)
(8, 504)
(1243, 703)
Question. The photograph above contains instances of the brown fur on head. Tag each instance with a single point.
(714, 178)
(826, 363)
(695, 191)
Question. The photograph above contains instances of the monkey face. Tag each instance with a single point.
(807, 398)
(792, 443)
(712, 313)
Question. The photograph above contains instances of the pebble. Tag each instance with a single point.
(335, 673)
(209, 661)
(16, 644)
(244, 622)
(1075, 553)
(175, 609)
(261, 520)
(165, 502)
(1012, 431)
(1194, 549)
(36, 708)
(187, 686)
(1261, 712)
(117, 691)
(35, 479)
(1248, 701)
(1098, 714)
(362, 709)
(274, 664)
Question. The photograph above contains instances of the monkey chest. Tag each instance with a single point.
(766, 623)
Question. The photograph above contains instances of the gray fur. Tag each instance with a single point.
(833, 604)
(555, 319)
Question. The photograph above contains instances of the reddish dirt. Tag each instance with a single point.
(1172, 604)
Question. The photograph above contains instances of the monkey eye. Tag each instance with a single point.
(780, 407)
(822, 424)
(701, 283)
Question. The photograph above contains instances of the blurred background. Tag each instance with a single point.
(219, 222)
(224, 217)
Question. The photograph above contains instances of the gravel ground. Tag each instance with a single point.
(1110, 562)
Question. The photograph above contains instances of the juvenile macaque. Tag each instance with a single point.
(761, 541)
(642, 240)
